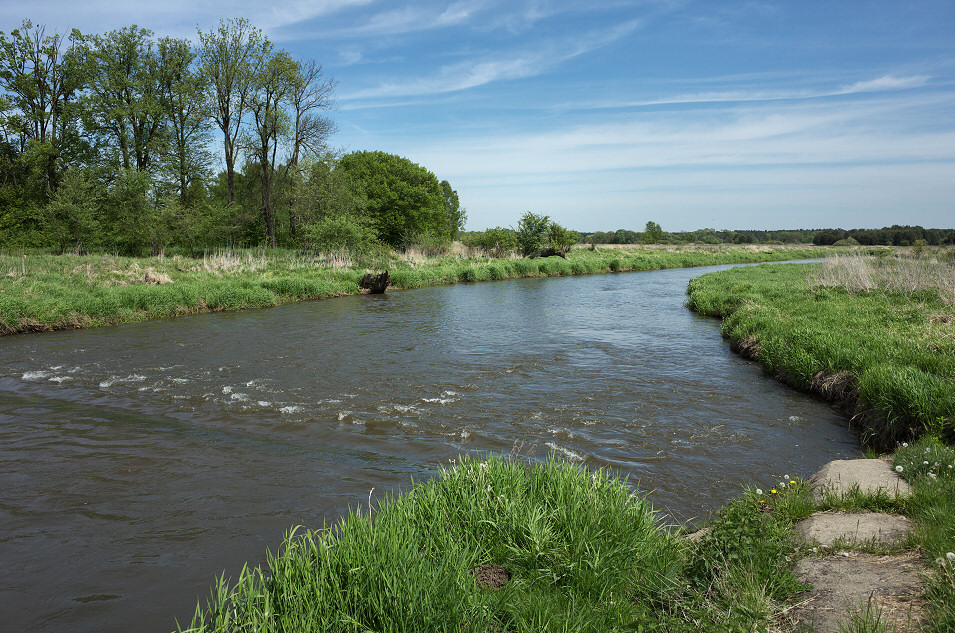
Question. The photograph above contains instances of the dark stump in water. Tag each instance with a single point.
(375, 284)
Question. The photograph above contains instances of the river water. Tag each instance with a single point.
(138, 462)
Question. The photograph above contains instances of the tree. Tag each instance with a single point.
(272, 82)
(652, 234)
(560, 240)
(228, 57)
(532, 234)
(457, 216)
(72, 212)
(41, 79)
(404, 200)
(311, 94)
(185, 106)
(123, 106)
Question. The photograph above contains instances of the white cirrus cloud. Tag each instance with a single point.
(472, 73)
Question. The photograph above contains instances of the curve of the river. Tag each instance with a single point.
(138, 462)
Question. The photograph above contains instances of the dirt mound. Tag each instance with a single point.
(493, 576)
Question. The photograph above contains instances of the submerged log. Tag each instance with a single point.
(375, 284)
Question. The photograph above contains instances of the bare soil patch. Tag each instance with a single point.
(853, 582)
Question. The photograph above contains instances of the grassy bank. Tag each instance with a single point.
(507, 545)
(876, 335)
(580, 551)
(41, 292)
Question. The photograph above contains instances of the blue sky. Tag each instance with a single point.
(608, 113)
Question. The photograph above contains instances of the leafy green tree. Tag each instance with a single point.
(311, 95)
(531, 234)
(326, 191)
(184, 103)
(40, 79)
(652, 234)
(457, 215)
(272, 81)
(404, 200)
(496, 242)
(72, 213)
(347, 234)
(228, 58)
(560, 240)
(122, 106)
(132, 221)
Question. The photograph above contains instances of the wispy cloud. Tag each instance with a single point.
(177, 18)
(886, 82)
(472, 73)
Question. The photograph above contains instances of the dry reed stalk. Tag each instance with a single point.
(897, 274)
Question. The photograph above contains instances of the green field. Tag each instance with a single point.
(47, 292)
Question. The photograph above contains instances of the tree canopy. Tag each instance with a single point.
(404, 201)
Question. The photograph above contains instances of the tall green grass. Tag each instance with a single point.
(929, 466)
(585, 553)
(46, 292)
(897, 348)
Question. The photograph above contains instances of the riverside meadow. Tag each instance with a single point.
(584, 551)
(42, 292)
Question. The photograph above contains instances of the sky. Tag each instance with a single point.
(606, 114)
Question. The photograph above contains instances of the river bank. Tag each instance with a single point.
(875, 337)
(40, 292)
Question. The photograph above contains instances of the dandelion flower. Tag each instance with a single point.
(933, 475)
(785, 476)
(792, 481)
(940, 561)
(759, 491)
(925, 463)
(950, 556)
(773, 491)
(898, 469)
(905, 444)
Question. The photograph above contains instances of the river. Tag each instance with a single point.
(140, 461)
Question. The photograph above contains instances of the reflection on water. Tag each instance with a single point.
(138, 462)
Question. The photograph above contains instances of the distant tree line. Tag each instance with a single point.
(889, 236)
(109, 142)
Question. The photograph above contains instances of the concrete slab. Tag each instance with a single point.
(870, 475)
(852, 582)
(829, 528)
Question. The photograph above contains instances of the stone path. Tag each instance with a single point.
(844, 579)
